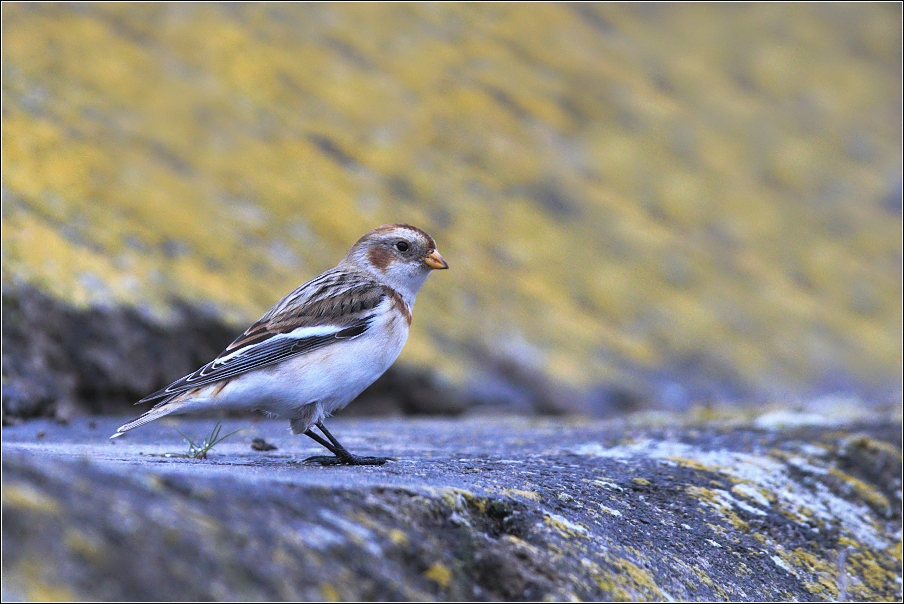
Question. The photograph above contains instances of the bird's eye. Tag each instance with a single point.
(402, 246)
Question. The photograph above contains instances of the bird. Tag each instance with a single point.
(319, 347)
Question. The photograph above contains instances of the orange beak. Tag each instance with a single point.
(435, 261)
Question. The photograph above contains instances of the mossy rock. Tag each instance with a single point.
(629, 195)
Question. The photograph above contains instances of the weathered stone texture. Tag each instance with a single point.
(477, 509)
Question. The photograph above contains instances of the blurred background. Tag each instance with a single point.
(643, 206)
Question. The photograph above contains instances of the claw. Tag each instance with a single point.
(352, 460)
(341, 456)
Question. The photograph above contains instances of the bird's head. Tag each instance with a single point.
(399, 255)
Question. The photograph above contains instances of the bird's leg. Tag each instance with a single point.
(342, 456)
(319, 439)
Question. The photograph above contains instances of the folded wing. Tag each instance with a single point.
(335, 306)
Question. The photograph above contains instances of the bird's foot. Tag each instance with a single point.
(350, 460)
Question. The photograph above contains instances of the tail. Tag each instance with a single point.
(159, 410)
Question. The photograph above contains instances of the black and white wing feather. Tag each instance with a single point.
(333, 307)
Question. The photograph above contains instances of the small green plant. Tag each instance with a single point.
(199, 450)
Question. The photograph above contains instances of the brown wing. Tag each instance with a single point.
(329, 299)
(335, 306)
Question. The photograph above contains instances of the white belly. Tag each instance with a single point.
(331, 376)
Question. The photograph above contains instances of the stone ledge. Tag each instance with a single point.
(481, 509)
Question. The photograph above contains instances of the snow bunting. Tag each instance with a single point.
(320, 346)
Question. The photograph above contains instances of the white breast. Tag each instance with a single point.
(331, 376)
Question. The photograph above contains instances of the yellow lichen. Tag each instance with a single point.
(330, 593)
(457, 499)
(714, 499)
(37, 582)
(865, 492)
(125, 181)
(398, 537)
(690, 463)
(565, 527)
(26, 496)
(824, 573)
(627, 583)
(440, 574)
(84, 545)
(532, 495)
(875, 576)
(874, 445)
(754, 492)
(895, 550)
